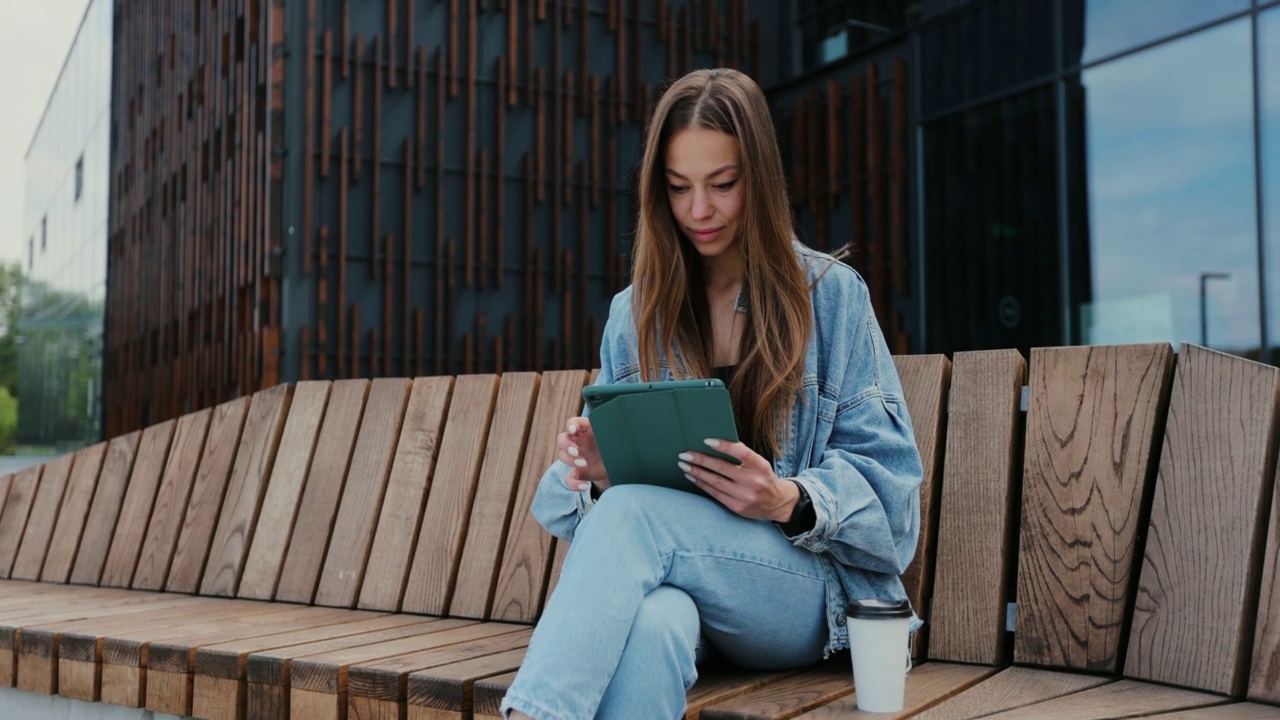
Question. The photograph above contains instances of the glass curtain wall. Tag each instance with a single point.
(1269, 126)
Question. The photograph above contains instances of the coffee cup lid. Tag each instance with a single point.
(877, 609)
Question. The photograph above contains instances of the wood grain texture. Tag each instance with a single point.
(1193, 616)
(926, 685)
(489, 692)
(1121, 699)
(42, 519)
(1092, 439)
(273, 667)
(491, 509)
(206, 495)
(327, 671)
(171, 501)
(139, 499)
(362, 493)
(279, 511)
(453, 487)
(245, 491)
(788, 697)
(523, 575)
(319, 507)
(100, 527)
(1015, 687)
(976, 531)
(924, 384)
(401, 515)
(13, 523)
(446, 691)
(1230, 711)
(1264, 673)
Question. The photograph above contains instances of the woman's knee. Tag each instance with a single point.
(666, 630)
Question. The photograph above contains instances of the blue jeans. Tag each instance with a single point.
(650, 569)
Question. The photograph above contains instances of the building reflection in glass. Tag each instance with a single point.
(1096, 29)
(1169, 195)
(1269, 114)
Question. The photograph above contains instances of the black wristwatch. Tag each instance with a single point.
(803, 517)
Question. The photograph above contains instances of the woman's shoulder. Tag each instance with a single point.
(827, 275)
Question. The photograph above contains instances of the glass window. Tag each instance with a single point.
(79, 177)
(1269, 63)
(991, 219)
(1095, 29)
(831, 29)
(1163, 219)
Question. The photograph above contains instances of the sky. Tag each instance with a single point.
(35, 37)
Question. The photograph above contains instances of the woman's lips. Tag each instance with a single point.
(705, 235)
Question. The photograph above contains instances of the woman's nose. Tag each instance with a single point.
(701, 206)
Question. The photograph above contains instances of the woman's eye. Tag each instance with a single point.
(726, 186)
(677, 188)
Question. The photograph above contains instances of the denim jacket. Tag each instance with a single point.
(852, 447)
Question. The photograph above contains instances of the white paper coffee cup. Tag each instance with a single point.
(878, 640)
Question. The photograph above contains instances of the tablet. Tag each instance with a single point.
(640, 428)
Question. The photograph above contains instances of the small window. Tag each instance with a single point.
(79, 177)
(44, 233)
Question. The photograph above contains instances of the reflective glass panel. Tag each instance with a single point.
(1269, 63)
(1164, 223)
(1097, 28)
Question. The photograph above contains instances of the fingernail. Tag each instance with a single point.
(573, 451)
(687, 457)
(584, 486)
(685, 466)
(573, 429)
(712, 442)
(580, 462)
(691, 478)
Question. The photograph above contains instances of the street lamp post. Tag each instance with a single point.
(1205, 277)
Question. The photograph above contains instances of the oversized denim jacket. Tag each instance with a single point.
(851, 447)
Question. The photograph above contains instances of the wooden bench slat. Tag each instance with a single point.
(924, 384)
(799, 692)
(362, 493)
(488, 694)
(561, 547)
(5, 482)
(75, 511)
(13, 523)
(1194, 611)
(523, 577)
(275, 523)
(1264, 673)
(1082, 494)
(446, 691)
(1016, 687)
(170, 507)
(1123, 698)
(319, 506)
(139, 499)
(104, 513)
(201, 516)
(975, 563)
(449, 503)
(400, 517)
(41, 519)
(927, 685)
(245, 491)
(1230, 711)
(494, 501)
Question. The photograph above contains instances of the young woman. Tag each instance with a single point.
(824, 507)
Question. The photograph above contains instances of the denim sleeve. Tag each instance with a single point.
(555, 506)
(864, 476)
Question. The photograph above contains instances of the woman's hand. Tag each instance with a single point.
(578, 450)
(751, 489)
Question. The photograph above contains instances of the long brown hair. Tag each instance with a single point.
(669, 296)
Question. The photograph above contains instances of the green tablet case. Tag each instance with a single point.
(641, 428)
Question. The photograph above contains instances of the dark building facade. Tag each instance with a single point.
(336, 188)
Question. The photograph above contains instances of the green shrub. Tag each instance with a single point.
(8, 421)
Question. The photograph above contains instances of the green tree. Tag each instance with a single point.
(12, 282)
(8, 421)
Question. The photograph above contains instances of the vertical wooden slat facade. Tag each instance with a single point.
(430, 185)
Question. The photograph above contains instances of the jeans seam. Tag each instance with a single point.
(754, 561)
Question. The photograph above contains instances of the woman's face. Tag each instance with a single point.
(704, 188)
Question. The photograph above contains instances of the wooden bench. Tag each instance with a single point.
(364, 548)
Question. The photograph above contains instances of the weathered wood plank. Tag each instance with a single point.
(398, 522)
(201, 516)
(799, 693)
(1016, 687)
(924, 384)
(1264, 675)
(319, 505)
(139, 498)
(362, 494)
(75, 511)
(1092, 439)
(491, 509)
(926, 685)
(104, 513)
(1124, 698)
(13, 523)
(5, 482)
(525, 563)
(42, 519)
(1194, 611)
(274, 527)
(245, 491)
(171, 501)
(446, 691)
(1230, 711)
(449, 505)
(977, 529)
